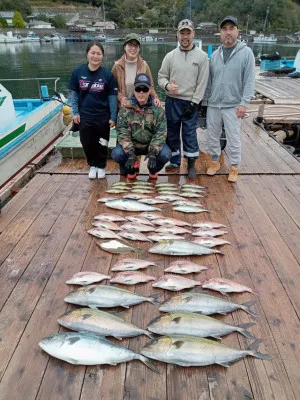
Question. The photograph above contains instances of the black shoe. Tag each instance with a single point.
(191, 169)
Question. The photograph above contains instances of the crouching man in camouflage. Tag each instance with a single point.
(141, 130)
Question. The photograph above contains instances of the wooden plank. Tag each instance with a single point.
(268, 379)
(21, 303)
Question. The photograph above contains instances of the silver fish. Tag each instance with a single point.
(209, 233)
(131, 278)
(136, 196)
(208, 225)
(142, 190)
(130, 205)
(175, 282)
(142, 183)
(168, 197)
(192, 324)
(185, 267)
(84, 278)
(187, 203)
(103, 233)
(88, 349)
(120, 187)
(204, 304)
(153, 201)
(164, 236)
(193, 185)
(191, 194)
(190, 351)
(132, 264)
(174, 230)
(134, 235)
(181, 248)
(106, 198)
(225, 286)
(106, 225)
(139, 220)
(116, 247)
(189, 209)
(166, 184)
(210, 241)
(105, 296)
(137, 227)
(170, 221)
(100, 323)
(109, 217)
(151, 215)
(116, 191)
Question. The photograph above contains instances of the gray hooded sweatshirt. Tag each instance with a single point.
(231, 84)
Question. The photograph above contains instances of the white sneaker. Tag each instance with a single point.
(101, 173)
(93, 173)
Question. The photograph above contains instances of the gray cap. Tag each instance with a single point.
(186, 24)
(231, 19)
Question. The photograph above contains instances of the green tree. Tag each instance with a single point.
(58, 21)
(3, 23)
(17, 20)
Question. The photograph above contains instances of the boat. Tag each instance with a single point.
(31, 37)
(264, 39)
(28, 126)
(100, 38)
(10, 38)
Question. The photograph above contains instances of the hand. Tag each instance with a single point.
(112, 123)
(130, 160)
(157, 102)
(151, 160)
(241, 111)
(76, 119)
(202, 110)
(172, 87)
(123, 101)
(188, 110)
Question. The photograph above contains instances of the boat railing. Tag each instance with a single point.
(38, 80)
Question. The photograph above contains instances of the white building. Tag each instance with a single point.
(8, 16)
(40, 25)
(105, 25)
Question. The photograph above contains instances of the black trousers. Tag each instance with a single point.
(94, 137)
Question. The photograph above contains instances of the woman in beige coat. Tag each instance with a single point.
(127, 67)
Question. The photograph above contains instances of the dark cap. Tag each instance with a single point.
(186, 24)
(231, 19)
(142, 80)
(132, 36)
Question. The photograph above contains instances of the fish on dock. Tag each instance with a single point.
(139, 220)
(175, 282)
(133, 264)
(109, 217)
(170, 221)
(84, 278)
(181, 248)
(189, 209)
(116, 247)
(208, 225)
(174, 230)
(131, 278)
(130, 205)
(185, 267)
(103, 233)
(209, 232)
(164, 236)
(134, 235)
(137, 227)
(210, 241)
(106, 225)
(225, 286)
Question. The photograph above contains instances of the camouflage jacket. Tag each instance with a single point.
(140, 128)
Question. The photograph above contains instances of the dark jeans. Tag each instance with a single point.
(176, 122)
(119, 155)
(94, 137)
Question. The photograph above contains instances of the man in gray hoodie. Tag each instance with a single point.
(229, 90)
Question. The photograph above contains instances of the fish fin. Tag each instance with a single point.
(117, 337)
(244, 332)
(177, 320)
(178, 344)
(216, 337)
(253, 350)
(182, 364)
(224, 293)
(150, 335)
(124, 306)
(247, 307)
(149, 363)
(224, 364)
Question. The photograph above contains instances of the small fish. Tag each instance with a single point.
(151, 215)
(189, 209)
(192, 324)
(105, 199)
(120, 187)
(121, 184)
(164, 236)
(208, 225)
(169, 189)
(131, 278)
(181, 248)
(187, 203)
(192, 190)
(166, 184)
(142, 191)
(136, 196)
(170, 221)
(132, 264)
(153, 201)
(142, 183)
(175, 282)
(174, 230)
(204, 304)
(210, 242)
(139, 220)
(188, 351)
(116, 247)
(190, 194)
(225, 286)
(168, 197)
(167, 192)
(103, 233)
(109, 217)
(84, 278)
(134, 235)
(116, 191)
(88, 349)
(185, 267)
(107, 225)
(130, 205)
(137, 227)
(193, 185)
(209, 233)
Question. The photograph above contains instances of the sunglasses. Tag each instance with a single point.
(140, 89)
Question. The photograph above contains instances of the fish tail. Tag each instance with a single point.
(149, 363)
(154, 297)
(253, 350)
(149, 334)
(218, 251)
(247, 307)
(243, 330)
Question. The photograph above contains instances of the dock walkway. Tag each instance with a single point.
(44, 241)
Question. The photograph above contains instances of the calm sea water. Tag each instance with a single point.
(58, 59)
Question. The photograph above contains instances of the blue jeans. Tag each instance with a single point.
(175, 122)
(119, 155)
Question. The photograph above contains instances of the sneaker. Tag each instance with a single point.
(93, 173)
(131, 176)
(213, 168)
(233, 174)
(172, 166)
(101, 173)
(153, 176)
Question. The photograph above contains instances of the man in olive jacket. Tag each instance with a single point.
(141, 130)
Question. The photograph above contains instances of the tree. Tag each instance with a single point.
(3, 23)
(17, 20)
(58, 21)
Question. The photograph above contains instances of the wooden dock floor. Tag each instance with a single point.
(43, 241)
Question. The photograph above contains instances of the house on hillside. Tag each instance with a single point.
(40, 25)
(207, 26)
(105, 25)
(8, 16)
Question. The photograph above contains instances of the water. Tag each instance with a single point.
(58, 59)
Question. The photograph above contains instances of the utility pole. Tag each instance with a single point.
(190, 9)
(266, 19)
(103, 10)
